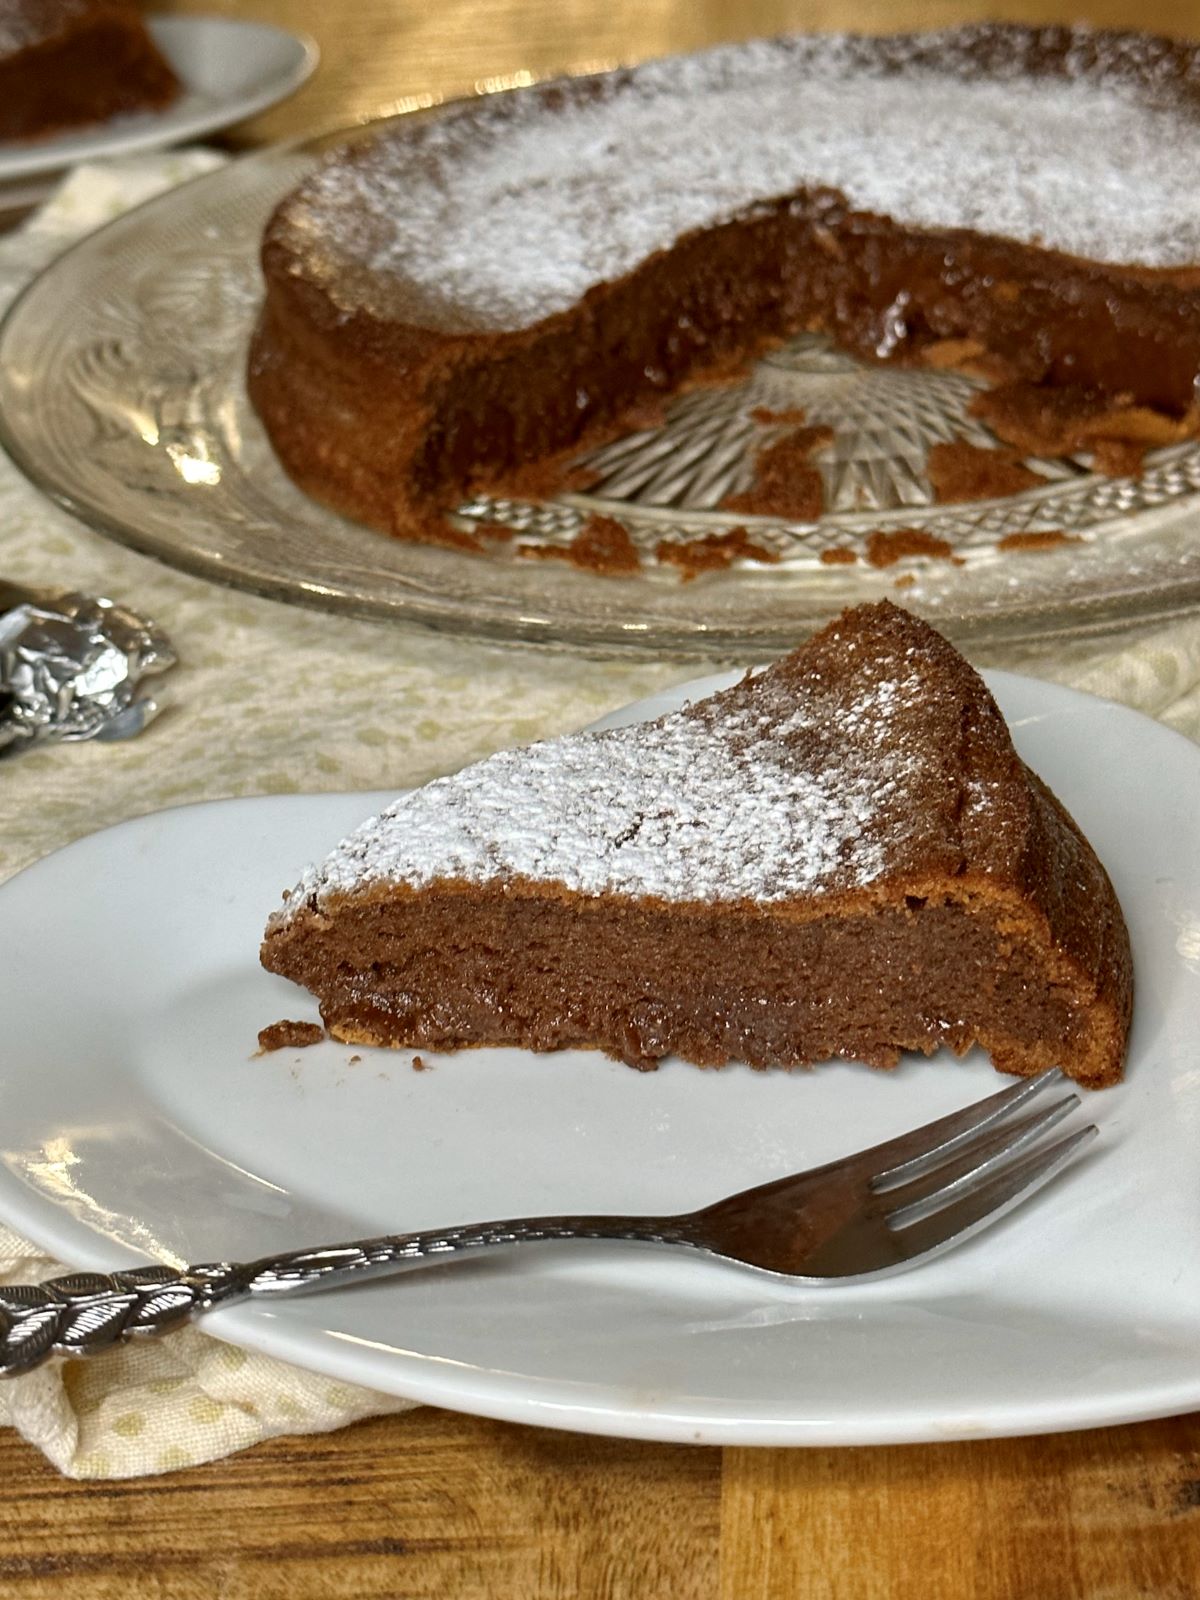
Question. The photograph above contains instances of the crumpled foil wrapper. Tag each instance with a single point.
(72, 667)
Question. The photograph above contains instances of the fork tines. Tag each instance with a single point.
(942, 1181)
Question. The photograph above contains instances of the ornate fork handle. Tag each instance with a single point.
(84, 1313)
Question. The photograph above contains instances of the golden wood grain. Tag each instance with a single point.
(1104, 1515)
(379, 54)
(432, 1504)
(427, 1505)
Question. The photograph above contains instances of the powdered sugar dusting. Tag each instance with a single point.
(509, 212)
(763, 795)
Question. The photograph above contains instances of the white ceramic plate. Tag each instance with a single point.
(136, 1120)
(229, 71)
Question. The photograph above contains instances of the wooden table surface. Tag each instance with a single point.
(433, 1504)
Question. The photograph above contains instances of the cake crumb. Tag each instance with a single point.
(288, 1035)
(437, 530)
(884, 549)
(645, 414)
(354, 1060)
(1119, 458)
(419, 1064)
(958, 471)
(712, 552)
(794, 416)
(968, 356)
(786, 484)
(580, 477)
(602, 545)
(1041, 539)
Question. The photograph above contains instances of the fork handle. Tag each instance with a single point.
(84, 1313)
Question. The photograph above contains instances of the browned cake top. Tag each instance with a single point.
(508, 210)
(871, 751)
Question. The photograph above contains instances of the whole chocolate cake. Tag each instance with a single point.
(491, 286)
(67, 63)
(841, 856)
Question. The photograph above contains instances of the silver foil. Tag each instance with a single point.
(72, 667)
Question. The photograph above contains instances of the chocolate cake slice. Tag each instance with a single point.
(68, 63)
(840, 856)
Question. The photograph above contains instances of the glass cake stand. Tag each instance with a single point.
(122, 397)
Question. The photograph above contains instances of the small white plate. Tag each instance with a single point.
(135, 1120)
(229, 71)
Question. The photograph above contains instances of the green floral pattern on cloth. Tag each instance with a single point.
(270, 698)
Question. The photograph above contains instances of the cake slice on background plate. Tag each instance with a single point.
(841, 856)
(67, 64)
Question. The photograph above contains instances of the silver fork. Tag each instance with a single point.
(876, 1212)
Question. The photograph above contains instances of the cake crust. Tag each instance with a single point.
(842, 856)
(435, 319)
